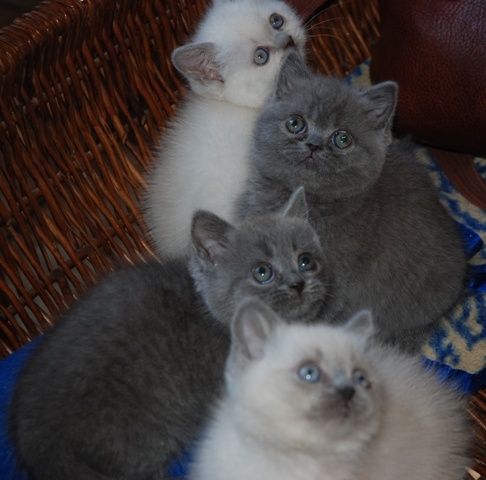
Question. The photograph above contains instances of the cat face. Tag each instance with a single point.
(323, 134)
(276, 257)
(309, 383)
(238, 50)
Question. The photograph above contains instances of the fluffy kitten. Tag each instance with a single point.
(231, 65)
(122, 383)
(321, 402)
(393, 247)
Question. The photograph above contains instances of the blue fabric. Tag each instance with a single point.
(9, 372)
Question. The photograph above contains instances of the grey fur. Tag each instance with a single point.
(392, 246)
(222, 245)
(124, 380)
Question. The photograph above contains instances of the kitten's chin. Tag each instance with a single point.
(301, 311)
(343, 413)
(343, 416)
(310, 162)
(343, 424)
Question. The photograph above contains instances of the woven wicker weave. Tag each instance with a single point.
(85, 87)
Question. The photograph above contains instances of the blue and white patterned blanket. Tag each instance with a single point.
(458, 348)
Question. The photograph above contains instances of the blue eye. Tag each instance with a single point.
(360, 378)
(310, 373)
(295, 124)
(307, 263)
(263, 273)
(342, 139)
(261, 56)
(276, 21)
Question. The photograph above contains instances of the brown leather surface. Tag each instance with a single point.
(436, 51)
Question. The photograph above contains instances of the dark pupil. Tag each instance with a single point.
(343, 139)
(308, 372)
(294, 124)
(261, 271)
(305, 261)
(276, 21)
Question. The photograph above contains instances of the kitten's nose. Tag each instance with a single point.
(298, 285)
(284, 41)
(313, 148)
(290, 42)
(346, 392)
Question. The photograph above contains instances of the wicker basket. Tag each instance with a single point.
(85, 88)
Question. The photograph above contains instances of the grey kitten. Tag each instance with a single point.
(321, 402)
(393, 248)
(123, 381)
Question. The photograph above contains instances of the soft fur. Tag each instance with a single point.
(204, 154)
(123, 381)
(291, 288)
(393, 247)
(365, 412)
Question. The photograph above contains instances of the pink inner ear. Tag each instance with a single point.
(255, 345)
(197, 61)
(209, 71)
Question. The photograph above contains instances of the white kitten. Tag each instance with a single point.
(231, 64)
(320, 402)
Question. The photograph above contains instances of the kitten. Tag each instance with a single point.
(392, 246)
(231, 65)
(322, 402)
(123, 381)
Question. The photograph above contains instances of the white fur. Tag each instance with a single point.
(418, 429)
(425, 433)
(204, 155)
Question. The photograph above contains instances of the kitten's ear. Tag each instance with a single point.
(361, 323)
(252, 324)
(382, 100)
(296, 205)
(292, 72)
(197, 61)
(209, 235)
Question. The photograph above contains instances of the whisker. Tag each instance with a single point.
(306, 24)
(337, 4)
(329, 36)
(328, 20)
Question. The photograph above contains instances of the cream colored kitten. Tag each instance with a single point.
(320, 402)
(231, 64)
